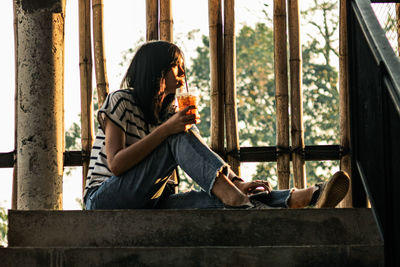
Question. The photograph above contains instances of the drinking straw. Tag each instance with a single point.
(187, 89)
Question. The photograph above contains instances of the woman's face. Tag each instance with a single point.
(175, 77)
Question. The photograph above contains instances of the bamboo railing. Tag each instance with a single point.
(159, 24)
(217, 75)
(85, 68)
(166, 21)
(99, 53)
(232, 137)
(151, 20)
(166, 34)
(14, 196)
(345, 161)
(281, 87)
(296, 97)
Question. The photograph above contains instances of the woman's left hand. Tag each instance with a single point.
(253, 187)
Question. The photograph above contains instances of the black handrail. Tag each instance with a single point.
(374, 85)
(245, 154)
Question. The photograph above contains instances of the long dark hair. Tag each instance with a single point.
(150, 64)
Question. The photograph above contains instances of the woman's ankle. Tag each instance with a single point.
(300, 198)
(228, 193)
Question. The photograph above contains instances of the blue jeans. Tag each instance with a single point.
(143, 186)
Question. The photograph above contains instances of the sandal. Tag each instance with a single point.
(330, 193)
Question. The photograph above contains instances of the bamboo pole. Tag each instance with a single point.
(281, 87)
(296, 97)
(232, 137)
(151, 20)
(85, 68)
(345, 162)
(166, 21)
(99, 53)
(166, 34)
(14, 197)
(217, 75)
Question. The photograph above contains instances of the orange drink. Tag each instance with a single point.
(187, 98)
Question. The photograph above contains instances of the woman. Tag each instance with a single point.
(142, 140)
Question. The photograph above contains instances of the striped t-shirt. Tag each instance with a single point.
(121, 108)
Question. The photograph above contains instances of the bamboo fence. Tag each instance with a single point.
(345, 162)
(166, 34)
(296, 97)
(166, 21)
(99, 51)
(223, 79)
(217, 75)
(281, 87)
(85, 68)
(232, 137)
(14, 196)
(151, 20)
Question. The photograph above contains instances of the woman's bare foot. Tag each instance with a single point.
(228, 193)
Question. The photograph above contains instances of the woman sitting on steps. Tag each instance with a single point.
(142, 139)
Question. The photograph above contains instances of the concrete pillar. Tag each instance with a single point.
(40, 126)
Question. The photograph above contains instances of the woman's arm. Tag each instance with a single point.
(121, 158)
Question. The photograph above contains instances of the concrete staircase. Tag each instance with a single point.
(278, 237)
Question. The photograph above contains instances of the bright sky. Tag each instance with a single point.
(124, 26)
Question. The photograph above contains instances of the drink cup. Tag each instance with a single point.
(188, 98)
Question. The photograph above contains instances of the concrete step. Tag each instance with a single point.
(336, 255)
(193, 228)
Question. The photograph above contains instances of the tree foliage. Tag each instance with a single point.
(256, 90)
(320, 82)
(255, 86)
(3, 226)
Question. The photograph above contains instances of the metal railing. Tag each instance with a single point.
(374, 83)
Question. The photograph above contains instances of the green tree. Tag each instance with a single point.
(255, 87)
(256, 91)
(320, 77)
(320, 80)
(73, 134)
(3, 226)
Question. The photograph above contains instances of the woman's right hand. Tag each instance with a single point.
(180, 121)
